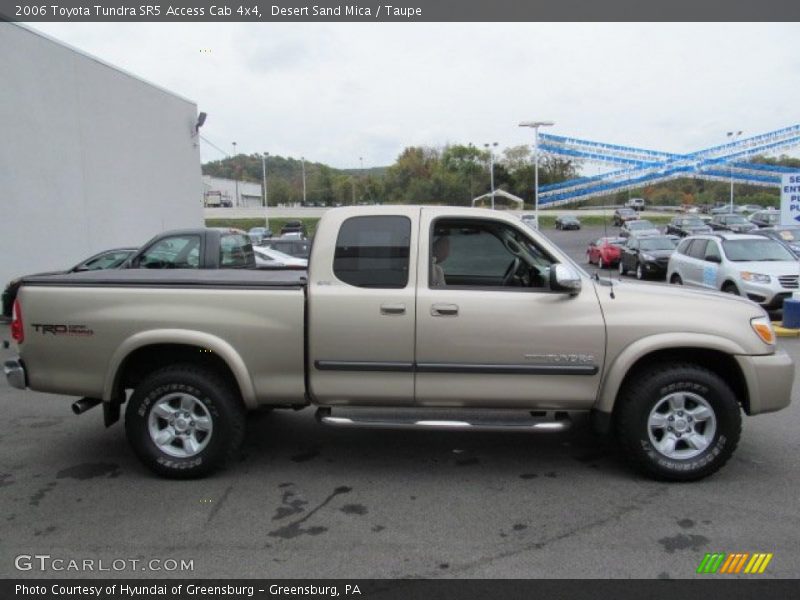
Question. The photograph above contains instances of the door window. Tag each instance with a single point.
(698, 249)
(476, 253)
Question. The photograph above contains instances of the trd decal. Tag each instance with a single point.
(74, 330)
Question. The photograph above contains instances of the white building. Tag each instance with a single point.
(91, 157)
(218, 191)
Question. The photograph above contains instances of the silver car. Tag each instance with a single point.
(638, 228)
(759, 268)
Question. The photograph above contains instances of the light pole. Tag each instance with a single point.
(491, 167)
(536, 125)
(734, 136)
(264, 157)
(361, 179)
(235, 175)
(303, 166)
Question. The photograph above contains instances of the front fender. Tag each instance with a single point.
(619, 366)
(186, 337)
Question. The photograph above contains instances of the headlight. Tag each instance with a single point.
(755, 277)
(763, 328)
(649, 257)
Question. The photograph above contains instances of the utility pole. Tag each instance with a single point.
(303, 166)
(264, 157)
(491, 167)
(235, 175)
(536, 125)
(734, 135)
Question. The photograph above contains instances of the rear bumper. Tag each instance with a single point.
(769, 381)
(15, 373)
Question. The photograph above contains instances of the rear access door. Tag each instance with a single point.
(361, 307)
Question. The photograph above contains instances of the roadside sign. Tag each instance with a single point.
(790, 199)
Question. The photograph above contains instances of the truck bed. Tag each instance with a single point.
(83, 326)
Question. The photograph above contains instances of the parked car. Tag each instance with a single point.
(766, 218)
(258, 235)
(269, 258)
(638, 227)
(789, 235)
(199, 248)
(748, 208)
(683, 226)
(295, 227)
(411, 309)
(636, 203)
(647, 257)
(758, 268)
(721, 209)
(622, 215)
(530, 220)
(108, 259)
(565, 222)
(605, 251)
(734, 223)
(296, 248)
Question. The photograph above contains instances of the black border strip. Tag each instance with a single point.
(465, 368)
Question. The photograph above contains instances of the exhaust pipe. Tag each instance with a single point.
(81, 406)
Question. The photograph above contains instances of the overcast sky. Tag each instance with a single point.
(337, 92)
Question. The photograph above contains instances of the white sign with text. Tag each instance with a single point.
(790, 199)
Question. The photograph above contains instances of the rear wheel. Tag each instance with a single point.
(678, 422)
(184, 422)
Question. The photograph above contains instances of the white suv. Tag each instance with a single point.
(759, 268)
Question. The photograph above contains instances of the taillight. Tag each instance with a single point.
(17, 330)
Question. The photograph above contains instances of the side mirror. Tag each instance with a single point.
(564, 278)
(713, 258)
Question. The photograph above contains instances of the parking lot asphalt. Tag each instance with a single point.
(306, 501)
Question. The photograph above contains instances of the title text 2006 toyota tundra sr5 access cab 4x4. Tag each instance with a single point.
(416, 309)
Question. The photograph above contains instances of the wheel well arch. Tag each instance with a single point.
(721, 363)
(146, 359)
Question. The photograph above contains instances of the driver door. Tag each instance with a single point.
(484, 339)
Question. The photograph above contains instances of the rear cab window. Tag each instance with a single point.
(173, 252)
(373, 252)
(235, 251)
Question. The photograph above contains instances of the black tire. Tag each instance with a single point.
(600, 264)
(646, 390)
(640, 272)
(676, 279)
(622, 269)
(222, 404)
(730, 288)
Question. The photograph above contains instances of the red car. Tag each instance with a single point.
(605, 252)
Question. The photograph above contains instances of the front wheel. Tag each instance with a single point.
(622, 269)
(678, 422)
(730, 288)
(640, 274)
(600, 264)
(184, 422)
(676, 279)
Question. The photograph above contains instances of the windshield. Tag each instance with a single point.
(696, 222)
(735, 219)
(640, 225)
(657, 244)
(756, 250)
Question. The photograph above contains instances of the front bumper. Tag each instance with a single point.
(769, 295)
(769, 381)
(15, 373)
(654, 268)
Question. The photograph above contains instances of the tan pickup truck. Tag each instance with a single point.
(452, 318)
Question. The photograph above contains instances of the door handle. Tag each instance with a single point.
(444, 310)
(393, 309)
